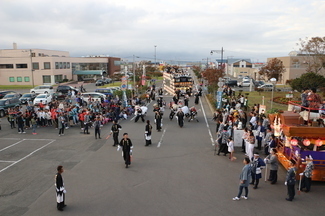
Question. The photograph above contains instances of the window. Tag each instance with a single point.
(35, 66)
(68, 65)
(6, 66)
(19, 79)
(64, 65)
(46, 79)
(11, 79)
(33, 54)
(47, 65)
(61, 66)
(57, 78)
(26, 79)
(56, 65)
(21, 65)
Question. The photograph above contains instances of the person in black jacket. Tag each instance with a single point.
(147, 133)
(60, 190)
(158, 118)
(115, 129)
(127, 146)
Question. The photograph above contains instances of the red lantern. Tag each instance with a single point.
(319, 142)
(294, 142)
(306, 142)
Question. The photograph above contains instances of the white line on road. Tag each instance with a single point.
(26, 156)
(12, 145)
(2, 161)
(206, 120)
(161, 138)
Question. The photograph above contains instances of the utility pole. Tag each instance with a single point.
(207, 62)
(155, 56)
(133, 68)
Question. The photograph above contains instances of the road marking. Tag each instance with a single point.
(205, 118)
(2, 161)
(26, 156)
(12, 145)
(161, 138)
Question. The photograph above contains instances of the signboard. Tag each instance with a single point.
(289, 95)
(219, 99)
(262, 109)
(123, 87)
(124, 83)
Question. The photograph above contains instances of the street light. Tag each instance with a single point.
(31, 65)
(273, 81)
(133, 68)
(155, 56)
(218, 51)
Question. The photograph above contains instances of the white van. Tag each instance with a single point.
(43, 89)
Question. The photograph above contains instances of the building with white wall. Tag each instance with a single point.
(40, 66)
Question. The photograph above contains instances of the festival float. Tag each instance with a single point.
(299, 134)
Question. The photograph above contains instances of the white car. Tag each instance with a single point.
(93, 95)
(43, 89)
(43, 98)
(245, 83)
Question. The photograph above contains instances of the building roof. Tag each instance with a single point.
(88, 72)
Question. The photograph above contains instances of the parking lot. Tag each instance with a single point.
(15, 150)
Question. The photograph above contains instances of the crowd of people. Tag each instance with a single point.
(258, 138)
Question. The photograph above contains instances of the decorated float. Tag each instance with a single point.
(299, 134)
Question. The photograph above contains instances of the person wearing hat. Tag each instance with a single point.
(291, 180)
(127, 146)
(257, 166)
(307, 174)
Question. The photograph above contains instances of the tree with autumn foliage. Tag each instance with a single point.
(272, 69)
(314, 50)
(212, 76)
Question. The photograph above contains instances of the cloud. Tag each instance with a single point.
(182, 29)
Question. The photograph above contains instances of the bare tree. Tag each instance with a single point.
(314, 50)
(273, 69)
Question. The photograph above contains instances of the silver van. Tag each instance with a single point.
(266, 87)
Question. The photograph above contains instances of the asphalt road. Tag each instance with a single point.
(177, 175)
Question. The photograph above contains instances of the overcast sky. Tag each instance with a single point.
(181, 29)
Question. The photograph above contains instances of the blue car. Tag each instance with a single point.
(105, 91)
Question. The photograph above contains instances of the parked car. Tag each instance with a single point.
(43, 89)
(107, 80)
(99, 83)
(64, 89)
(266, 87)
(58, 96)
(105, 91)
(12, 96)
(93, 95)
(231, 83)
(258, 83)
(27, 97)
(8, 101)
(114, 88)
(244, 83)
(3, 93)
(43, 98)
